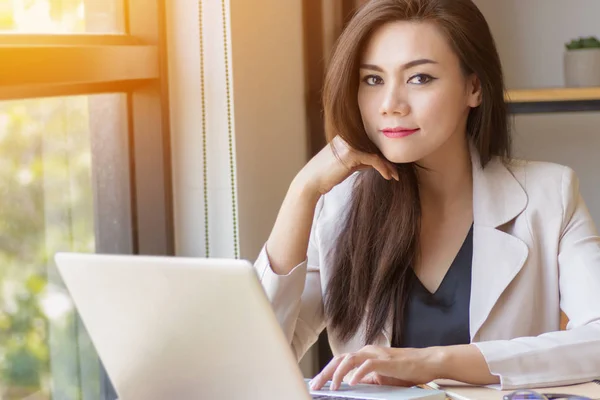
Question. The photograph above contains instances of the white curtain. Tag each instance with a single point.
(203, 131)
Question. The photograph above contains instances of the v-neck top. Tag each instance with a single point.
(440, 318)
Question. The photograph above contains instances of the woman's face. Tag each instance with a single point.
(413, 96)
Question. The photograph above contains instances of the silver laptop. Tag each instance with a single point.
(191, 328)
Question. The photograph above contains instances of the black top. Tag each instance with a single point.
(440, 318)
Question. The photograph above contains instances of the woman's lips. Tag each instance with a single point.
(395, 133)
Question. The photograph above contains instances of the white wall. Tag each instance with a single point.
(270, 115)
(267, 100)
(530, 36)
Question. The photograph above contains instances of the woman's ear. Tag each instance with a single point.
(474, 91)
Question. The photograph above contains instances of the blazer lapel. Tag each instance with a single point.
(498, 198)
(497, 259)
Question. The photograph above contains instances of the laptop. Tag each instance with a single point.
(192, 328)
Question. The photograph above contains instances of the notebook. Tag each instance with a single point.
(462, 391)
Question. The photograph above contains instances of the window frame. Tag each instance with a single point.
(133, 63)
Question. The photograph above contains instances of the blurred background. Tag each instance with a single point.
(174, 127)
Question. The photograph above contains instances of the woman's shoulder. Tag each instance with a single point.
(544, 181)
(527, 169)
(535, 174)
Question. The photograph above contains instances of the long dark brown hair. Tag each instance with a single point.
(379, 241)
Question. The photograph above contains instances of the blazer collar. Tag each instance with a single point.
(498, 197)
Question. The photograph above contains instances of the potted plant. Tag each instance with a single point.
(582, 62)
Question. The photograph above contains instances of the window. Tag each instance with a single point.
(62, 16)
(47, 206)
(84, 166)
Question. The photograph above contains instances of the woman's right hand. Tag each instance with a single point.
(288, 243)
(326, 170)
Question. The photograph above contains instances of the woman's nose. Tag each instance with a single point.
(394, 103)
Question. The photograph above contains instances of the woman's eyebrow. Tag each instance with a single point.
(406, 66)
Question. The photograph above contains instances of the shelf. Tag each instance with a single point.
(553, 94)
(528, 101)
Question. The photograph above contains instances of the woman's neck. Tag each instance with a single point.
(446, 179)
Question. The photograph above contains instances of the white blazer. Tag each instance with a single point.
(535, 251)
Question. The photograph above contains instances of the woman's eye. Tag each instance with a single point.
(421, 79)
(372, 80)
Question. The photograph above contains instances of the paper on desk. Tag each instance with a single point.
(462, 391)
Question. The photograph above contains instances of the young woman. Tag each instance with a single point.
(414, 238)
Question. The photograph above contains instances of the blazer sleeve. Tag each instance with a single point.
(296, 298)
(564, 357)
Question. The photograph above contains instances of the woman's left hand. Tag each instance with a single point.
(381, 365)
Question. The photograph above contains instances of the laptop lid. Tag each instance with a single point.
(187, 328)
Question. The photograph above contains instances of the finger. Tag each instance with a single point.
(368, 367)
(370, 379)
(395, 172)
(392, 168)
(377, 163)
(350, 362)
(326, 374)
(375, 378)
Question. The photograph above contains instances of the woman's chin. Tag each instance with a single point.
(402, 157)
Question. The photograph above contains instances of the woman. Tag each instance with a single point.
(413, 238)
